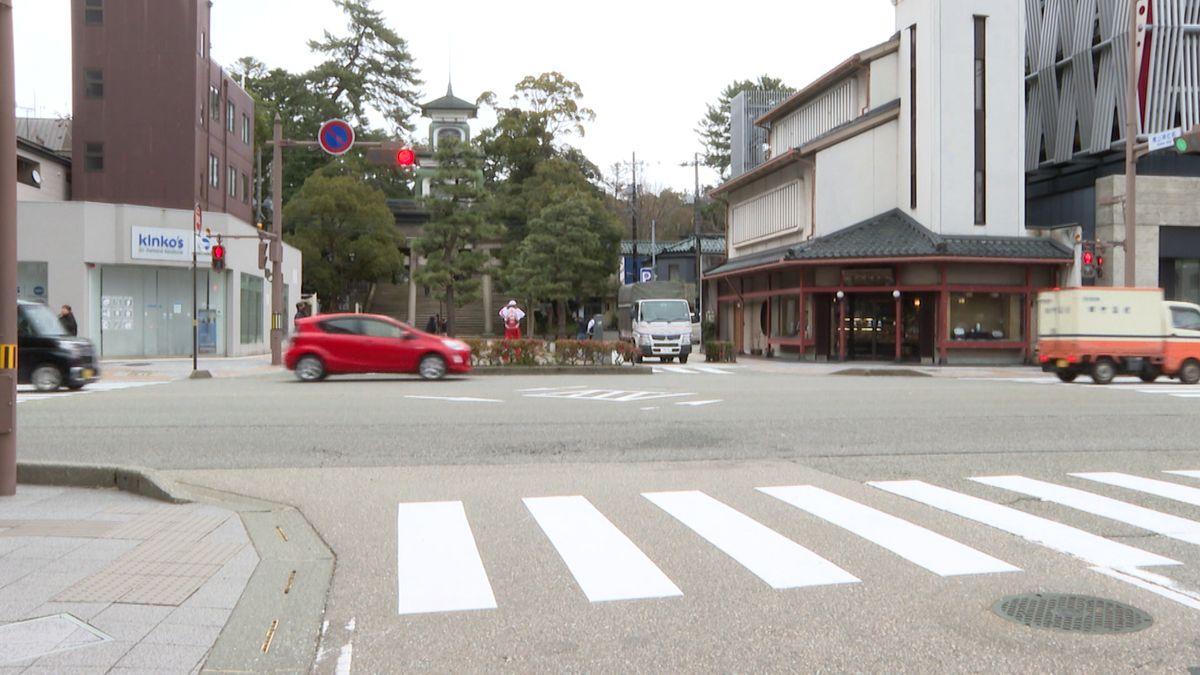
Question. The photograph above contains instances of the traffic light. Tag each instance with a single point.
(1188, 143)
(1100, 249)
(218, 256)
(405, 158)
(1087, 258)
(262, 254)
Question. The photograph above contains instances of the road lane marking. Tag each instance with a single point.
(697, 403)
(1189, 474)
(438, 564)
(1056, 536)
(713, 370)
(770, 556)
(1138, 516)
(1161, 488)
(604, 562)
(678, 370)
(578, 386)
(459, 399)
(938, 554)
(1155, 583)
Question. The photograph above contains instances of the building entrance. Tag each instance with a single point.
(870, 327)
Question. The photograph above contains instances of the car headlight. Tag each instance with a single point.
(456, 345)
(645, 339)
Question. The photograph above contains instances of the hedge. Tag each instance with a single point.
(535, 352)
(719, 351)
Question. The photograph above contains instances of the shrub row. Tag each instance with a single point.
(719, 352)
(535, 352)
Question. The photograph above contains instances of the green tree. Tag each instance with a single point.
(370, 67)
(347, 235)
(569, 253)
(451, 241)
(714, 126)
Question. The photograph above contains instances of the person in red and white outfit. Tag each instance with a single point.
(512, 315)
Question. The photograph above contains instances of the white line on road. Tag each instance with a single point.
(604, 562)
(578, 386)
(1189, 474)
(1155, 583)
(938, 554)
(1056, 536)
(438, 564)
(678, 370)
(460, 399)
(772, 557)
(697, 403)
(1161, 488)
(1138, 516)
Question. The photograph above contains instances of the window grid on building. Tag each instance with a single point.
(214, 102)
(93, 12)
(980, 121)
(93, 83)
(833, 108)
(231, 180)
(214, 171)
(94, 157)
(245, 128)
(769, 214)
(230, 116)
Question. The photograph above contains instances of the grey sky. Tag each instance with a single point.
(647, 68)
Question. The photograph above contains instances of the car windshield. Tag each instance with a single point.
(38, 320)
(673, 310)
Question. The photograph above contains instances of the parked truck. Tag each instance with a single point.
(656, 317)
(1105, 332)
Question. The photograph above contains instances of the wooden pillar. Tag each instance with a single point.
(802, 320)
(841, 327)
(943, 314)
(1028, 309)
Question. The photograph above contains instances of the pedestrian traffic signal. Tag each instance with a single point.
(218, 256)
(1189, 142)
(1087, 258)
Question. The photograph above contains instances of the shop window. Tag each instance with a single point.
(93, 12)
(252, 309)
(93, 83)
(976, 316)
(93, 156)
(29, 172)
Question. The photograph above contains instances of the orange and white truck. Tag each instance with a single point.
(1104, 332)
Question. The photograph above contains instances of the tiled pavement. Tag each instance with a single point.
(121, 583)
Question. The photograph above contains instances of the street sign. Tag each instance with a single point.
(647, 274)
(1164, 139)
(196, 218)
(336, 137)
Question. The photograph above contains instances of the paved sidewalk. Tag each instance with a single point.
(165, 370)
(100, 581)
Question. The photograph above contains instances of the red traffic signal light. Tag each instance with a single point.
(1088, 258)
(405, 157)
(218, 257)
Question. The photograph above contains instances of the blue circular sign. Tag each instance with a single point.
(336, 137)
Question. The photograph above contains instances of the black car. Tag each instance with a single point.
(47, 357)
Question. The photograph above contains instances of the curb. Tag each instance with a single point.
(561, 370)
(276, 624)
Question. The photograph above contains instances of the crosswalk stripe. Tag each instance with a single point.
(682, 370)
(938, 554)
(1138, 516)
(714, 371)
(1056, 536)
(605, 563)
(1189, 474)
(438, 564)
(770, 556)
(1161, 488)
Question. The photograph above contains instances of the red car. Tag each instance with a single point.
(332, 344)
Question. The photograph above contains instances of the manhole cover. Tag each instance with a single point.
(1074, 613)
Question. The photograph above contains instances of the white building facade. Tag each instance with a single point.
(126, 271)
(889, 221)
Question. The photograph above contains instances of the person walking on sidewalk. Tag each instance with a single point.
(512, 315)
(67, 319)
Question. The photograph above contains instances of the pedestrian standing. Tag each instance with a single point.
(67, 319)
(301, 311)
(512, 315)
(431, 326)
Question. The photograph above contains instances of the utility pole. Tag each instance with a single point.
(275, 248)
(696, 230)
(1131, 131)
(8, 256)
(637, 272)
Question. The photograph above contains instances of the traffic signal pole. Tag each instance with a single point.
(1131, 129)
(8, 257)
(275, 248)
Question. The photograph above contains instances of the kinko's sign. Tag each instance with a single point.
(159, 243)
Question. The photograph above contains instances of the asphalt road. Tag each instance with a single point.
(360, 456)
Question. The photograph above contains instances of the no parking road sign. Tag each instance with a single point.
(336, 137)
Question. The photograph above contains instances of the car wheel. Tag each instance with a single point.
(1190, 372)
(46, 378)
(1103, 371)
(310, 368)
(432, 367)
(1066, 375)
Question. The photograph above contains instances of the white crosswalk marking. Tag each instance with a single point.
(690, 370)
(1189, 474)
(438, 565)
(27, 392)
(605, 563)
(1138, 516)
(775, 559)
(938, 554)
(1092, 548)
(1179, 493)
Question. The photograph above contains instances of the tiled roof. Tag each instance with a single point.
(709, 245)
(50, 133)
(896, 235)
(449, 102)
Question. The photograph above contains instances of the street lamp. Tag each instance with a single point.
(695, 164)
